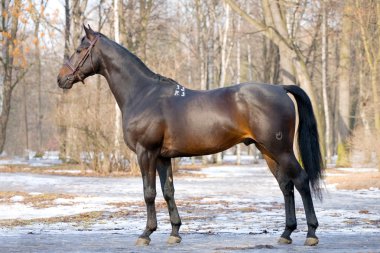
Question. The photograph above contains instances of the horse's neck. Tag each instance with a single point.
(126, 76)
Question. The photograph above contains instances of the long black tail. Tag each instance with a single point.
(308, 139)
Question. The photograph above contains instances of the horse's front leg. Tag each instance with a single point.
(147, 162)
(164, 168)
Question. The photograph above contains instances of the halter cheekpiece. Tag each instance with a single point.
(75, 70)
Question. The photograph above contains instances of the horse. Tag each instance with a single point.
(162, 119)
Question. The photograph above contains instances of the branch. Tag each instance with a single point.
(365, 38)
(52, 26)
(269, 31)
(20, 77)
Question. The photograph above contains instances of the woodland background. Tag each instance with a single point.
(330, 48)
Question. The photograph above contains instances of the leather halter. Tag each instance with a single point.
(75, 70)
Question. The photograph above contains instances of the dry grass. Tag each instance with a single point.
(42, 200)
(79, 219)
(354, 181)
(79, 171)
(83, 219)
(61, 170)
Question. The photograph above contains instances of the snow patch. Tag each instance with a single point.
(17, 198)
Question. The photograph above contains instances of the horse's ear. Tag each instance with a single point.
(89, 32)
(89, 28)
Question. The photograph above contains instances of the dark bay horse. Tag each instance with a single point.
(162, 119)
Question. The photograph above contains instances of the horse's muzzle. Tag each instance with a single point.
(64, 83)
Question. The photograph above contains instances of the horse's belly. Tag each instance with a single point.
(201, 141)
(205, 124)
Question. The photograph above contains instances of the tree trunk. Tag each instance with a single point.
(62, 100)
(274, 17)
(210, 55)
(66, 53)
(374, 83)
(223, 35)
(371, 49)
(37, 21)
(25, 101)
(324, 84)
(238, 146)
(145, 13)
(200, 44)
(78, 17)
(117, 109)
(8, 60)
(344, 100)
(375, 97)
(271, 58)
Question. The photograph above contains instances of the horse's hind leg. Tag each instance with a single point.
(287, 188)
(164, 168)
(293, 170)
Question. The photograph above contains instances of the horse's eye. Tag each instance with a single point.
(78, 50)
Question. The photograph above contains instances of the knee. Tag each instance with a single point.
(302, 182)
(288, 193)
(287, 187)
(150, 195)
(168, 193)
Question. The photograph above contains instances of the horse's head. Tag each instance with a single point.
(82, 63)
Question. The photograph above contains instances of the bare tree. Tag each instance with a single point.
(369, 15)
(200, 20)
(117, 109)
(344, 100)
(62, 99)
(11, 50)
(225, 48)
(37, 15)
(288, 50)
(238, 74)
(324, 83)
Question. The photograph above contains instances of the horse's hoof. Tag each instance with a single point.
(174, 239)
(311, 241)
(143, 241)
(283, 240)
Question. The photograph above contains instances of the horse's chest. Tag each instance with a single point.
(147, 132)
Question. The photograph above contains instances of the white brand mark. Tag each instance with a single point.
(180, 91)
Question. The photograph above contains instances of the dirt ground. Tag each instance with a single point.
(223, 209)
(353, 181)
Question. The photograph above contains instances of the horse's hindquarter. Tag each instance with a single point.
(271, 116)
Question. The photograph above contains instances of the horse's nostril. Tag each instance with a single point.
(59, 79)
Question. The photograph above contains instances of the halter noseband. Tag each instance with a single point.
(75, 70)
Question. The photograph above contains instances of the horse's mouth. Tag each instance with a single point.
(65, 83)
